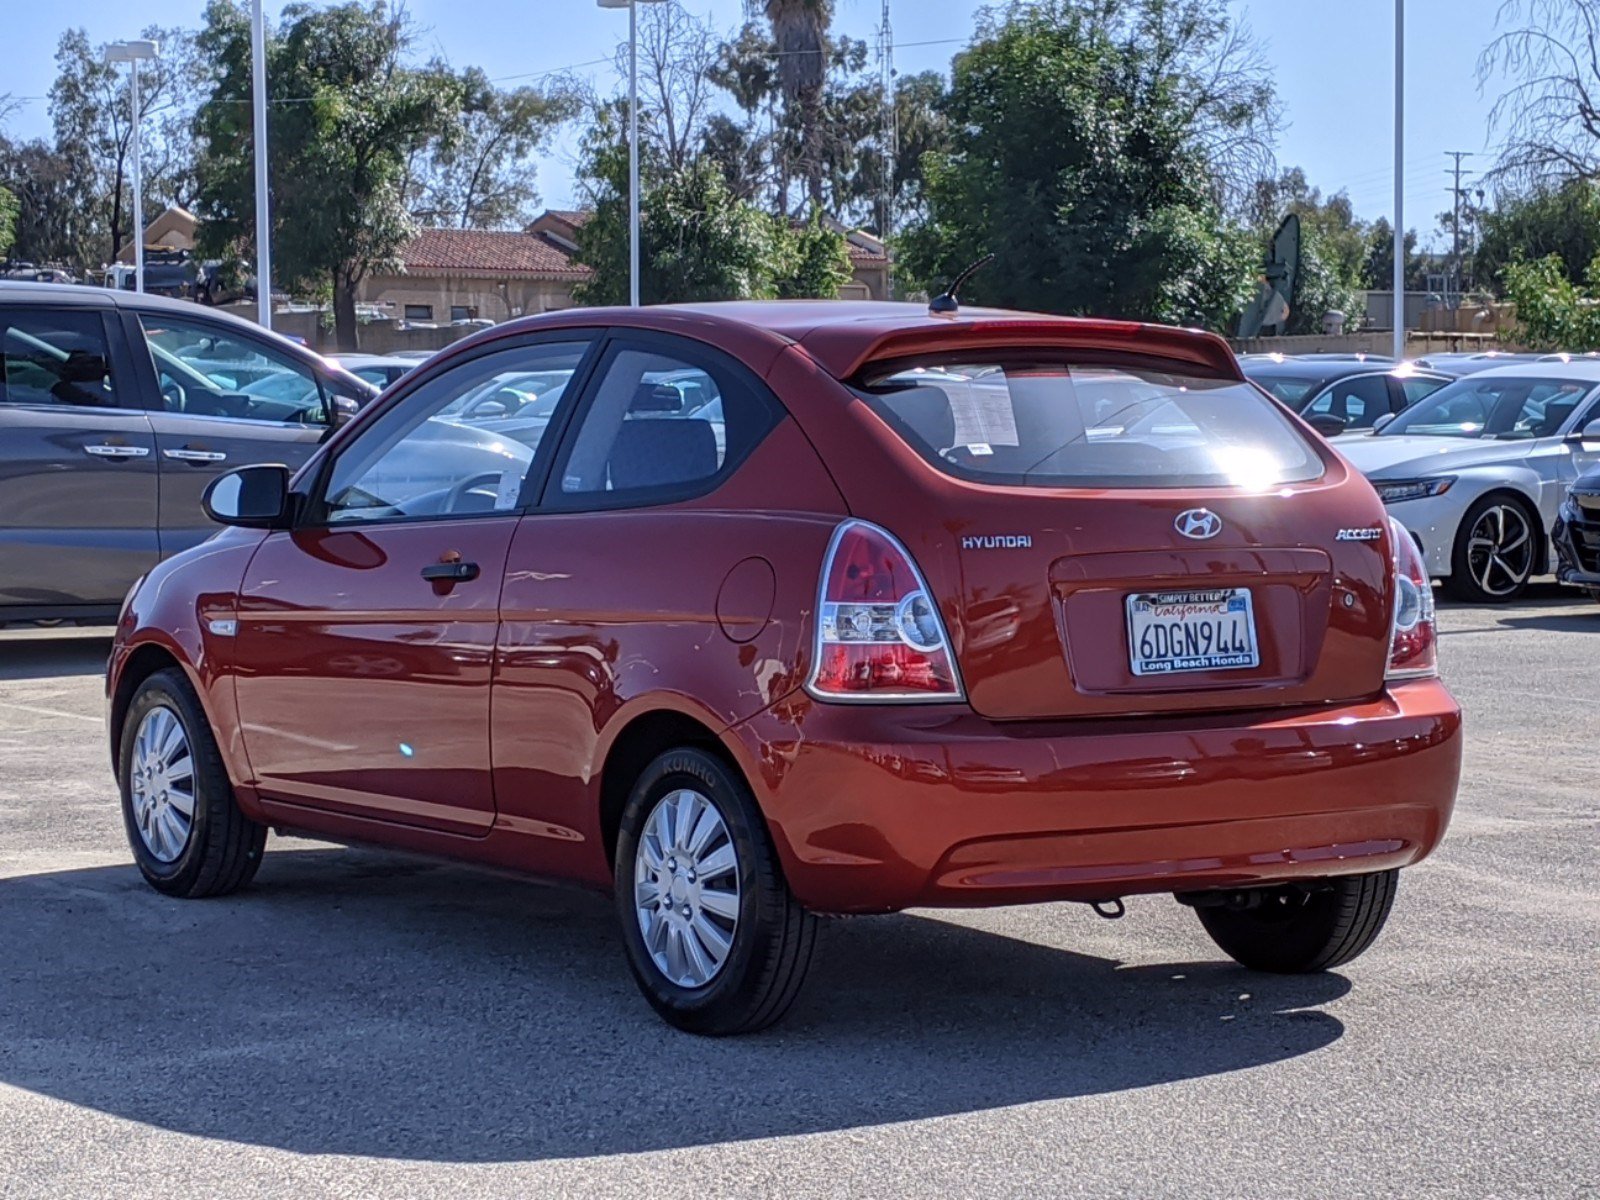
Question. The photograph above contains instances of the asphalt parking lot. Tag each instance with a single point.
(358, 1024)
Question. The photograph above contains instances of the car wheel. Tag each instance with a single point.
(1495, 551)
(1294, 930)
(188, 835)
(715, 938)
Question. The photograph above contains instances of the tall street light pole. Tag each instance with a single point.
(633, 139)
(258, 93)
(1399, 179)
(133, 53)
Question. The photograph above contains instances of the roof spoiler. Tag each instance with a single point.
(843, 354)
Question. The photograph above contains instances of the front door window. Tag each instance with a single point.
(461, 445)
(206, 370)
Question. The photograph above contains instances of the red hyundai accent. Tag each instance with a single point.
(751, 612)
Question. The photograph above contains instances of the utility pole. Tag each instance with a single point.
(1457, 195)
(1399, 180)
(889, 135)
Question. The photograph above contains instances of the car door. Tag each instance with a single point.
(366, 635)
(223, 398)
(78, 481)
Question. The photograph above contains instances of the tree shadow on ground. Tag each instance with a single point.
(354, 1002)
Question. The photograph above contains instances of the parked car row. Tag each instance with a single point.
(1477, 467)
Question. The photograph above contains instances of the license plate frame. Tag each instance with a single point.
(1213, 614)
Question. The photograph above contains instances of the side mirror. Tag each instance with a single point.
(1327, 424)
(1382, 421)
(253, 497)
(345, 410)
(1589, 433)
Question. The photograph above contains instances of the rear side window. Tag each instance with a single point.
(1052, 424)
(660, 427)
(58, 357)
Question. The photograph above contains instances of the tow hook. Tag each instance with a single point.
(1111, 910)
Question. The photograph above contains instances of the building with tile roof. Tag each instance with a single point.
(474, 274)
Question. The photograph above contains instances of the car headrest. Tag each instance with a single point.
(656, 398)
(662, 452)
(926, 410)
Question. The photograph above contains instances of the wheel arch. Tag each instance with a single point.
(645, 736)
(142, 661)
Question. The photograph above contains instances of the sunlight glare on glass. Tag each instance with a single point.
(1247, 467)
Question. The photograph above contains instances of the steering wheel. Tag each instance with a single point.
(458, 494)
(177, 400)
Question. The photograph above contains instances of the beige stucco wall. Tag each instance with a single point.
(496, 299)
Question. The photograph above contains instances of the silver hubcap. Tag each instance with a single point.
(686, 888)
(161, 784)
(1500, 550)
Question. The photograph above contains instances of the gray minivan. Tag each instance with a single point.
(116, 411)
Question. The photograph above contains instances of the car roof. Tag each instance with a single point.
(844, 335)
(1579, 370)
(80, 296)
(1326, 370)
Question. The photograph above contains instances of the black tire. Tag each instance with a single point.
(774, 937)
(224, 846)
(1462, 583)
(1296, 931)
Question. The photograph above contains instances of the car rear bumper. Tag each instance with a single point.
(881, 808)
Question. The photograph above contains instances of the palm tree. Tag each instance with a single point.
(800, 33)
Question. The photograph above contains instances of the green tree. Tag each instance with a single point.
(1090, 152)
(9, 211)
(800, 43)
(348, 114)
(1555, 313)
(697, 240)
(53, 223)
(484, 177)
(1377, 268)
(1563, 220)
(818, 262)
(91, 110)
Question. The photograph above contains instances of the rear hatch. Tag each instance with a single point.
(1116, 537)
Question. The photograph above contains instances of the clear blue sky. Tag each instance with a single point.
(1332, 59)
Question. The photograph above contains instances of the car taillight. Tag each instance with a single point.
(1413, 641)
(879, 633)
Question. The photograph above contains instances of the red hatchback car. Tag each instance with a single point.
(750, 612)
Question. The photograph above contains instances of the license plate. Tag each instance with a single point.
(1169, 632)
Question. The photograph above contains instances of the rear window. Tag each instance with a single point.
(1049, 424)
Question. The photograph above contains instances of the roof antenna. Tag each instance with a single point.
(946, 303)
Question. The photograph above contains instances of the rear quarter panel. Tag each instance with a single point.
(701, 608)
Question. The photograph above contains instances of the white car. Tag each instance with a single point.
(1477, 471)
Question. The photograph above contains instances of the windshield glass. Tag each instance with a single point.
(1495, 407)
(1053, 424)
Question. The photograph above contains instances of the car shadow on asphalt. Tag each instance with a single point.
(353, 1002)
(37, 657)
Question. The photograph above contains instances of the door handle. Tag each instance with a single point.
(196, 456)
(450, 572)
(104, 451)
